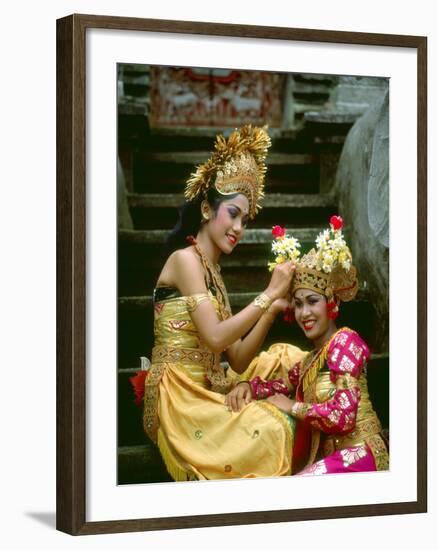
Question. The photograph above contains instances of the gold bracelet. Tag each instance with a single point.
(262, 301)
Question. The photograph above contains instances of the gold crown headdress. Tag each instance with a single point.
(236, 166)
(327, 269)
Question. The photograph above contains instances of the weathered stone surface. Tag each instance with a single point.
(350, 99)
(378, 188)
(271, 200)
(197, 157)
(124, 220)
(141, 464)
(129, 107)
(358, 93)
(251, 235)
(332, 117)
(362, 190)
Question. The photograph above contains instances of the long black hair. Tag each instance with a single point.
(189, 219)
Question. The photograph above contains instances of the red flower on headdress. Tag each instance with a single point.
(278, 231)
(137, 383)
(288, 315)
(336, 222)
(332, 310)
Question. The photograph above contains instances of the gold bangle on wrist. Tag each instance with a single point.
(262, 301)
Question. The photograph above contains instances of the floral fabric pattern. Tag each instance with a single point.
(348, 353)
(340, 428)
(294, 374)
(261, 389)
(352, 459)
(337, 415)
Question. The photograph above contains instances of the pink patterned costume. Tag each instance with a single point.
(338, 430)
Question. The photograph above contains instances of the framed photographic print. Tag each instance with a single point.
(140, 104)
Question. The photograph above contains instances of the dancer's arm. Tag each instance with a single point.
(187, 275)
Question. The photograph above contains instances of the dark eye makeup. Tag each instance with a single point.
(312, 300)
(234, 212)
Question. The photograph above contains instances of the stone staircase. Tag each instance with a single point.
(300, 165)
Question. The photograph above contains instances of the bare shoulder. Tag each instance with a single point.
(183, 270)
(184, 259)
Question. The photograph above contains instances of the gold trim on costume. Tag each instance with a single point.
(193, 301)
(175, 467)
(214, 278)
(312, 364)
(151, 394)
(361, 433)
(168, 354)
(160, 356)
(379, 450)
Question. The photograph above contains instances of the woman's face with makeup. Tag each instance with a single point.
(310, 309)
(227, 226)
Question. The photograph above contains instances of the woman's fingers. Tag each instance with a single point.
(239, 402)
(234, 402)
(248, 396)
(238, 398)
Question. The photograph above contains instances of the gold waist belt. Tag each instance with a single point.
(367, 428)
(168, 354)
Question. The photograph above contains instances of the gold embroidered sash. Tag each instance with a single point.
(168, 354)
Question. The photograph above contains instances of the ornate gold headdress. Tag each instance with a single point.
(236, 166)
(328, 269)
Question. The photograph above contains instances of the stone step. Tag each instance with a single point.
(152, 210)
(251, 236)
(140, 464)
(271, 200)
(208, 132)
(193, 158)
(310, 89)
(135, 325)
(158, 172)
(313, 77)
(133, 107)
(189, 139)
(141, 256)
(237, 299)
(130, 428)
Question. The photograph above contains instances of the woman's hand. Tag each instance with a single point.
(238, 397)
(281, 402)
(279, 305)
(280, 280)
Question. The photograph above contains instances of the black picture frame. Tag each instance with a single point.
(71, 272)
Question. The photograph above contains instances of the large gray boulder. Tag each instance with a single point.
(362, 189)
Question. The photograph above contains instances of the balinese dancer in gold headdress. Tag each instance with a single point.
(184, 409)
(326, 392)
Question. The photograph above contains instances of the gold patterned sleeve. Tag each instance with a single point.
(194, 300)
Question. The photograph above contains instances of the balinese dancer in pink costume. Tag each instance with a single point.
(326, 393)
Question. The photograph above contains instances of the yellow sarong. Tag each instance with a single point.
(198, 437)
